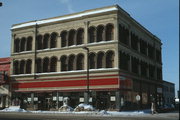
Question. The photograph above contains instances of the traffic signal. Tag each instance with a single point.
(1, 4)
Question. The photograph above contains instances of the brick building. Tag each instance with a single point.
(4, 82)
(50, 56)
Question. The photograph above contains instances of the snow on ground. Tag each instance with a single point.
(14, 109)
(84, 107)
(101, 113)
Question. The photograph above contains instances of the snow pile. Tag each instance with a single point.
(128, 113)
(103, 112)
(65, 108)
(14, 109)
(84, 107)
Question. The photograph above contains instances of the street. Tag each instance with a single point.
(37, 116)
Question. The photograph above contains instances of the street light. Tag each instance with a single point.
(87, 49)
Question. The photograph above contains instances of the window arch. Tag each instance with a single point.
(29, 43)
(53, 64)
(46, 41)
(22, 42)
(28, 66)
(39, 42)
(80, 36)
(92, 61)
(46, 65)
(63, 63)
(80, 62)
(100, 60)
(16, 45)
(109, 32)
(71, 63)
(39, 65)
(53, 41)
(63, 38)
(100, 33)
(110, 59)
(22, 67)
(16, 67)
(92, 34)
(71, 38)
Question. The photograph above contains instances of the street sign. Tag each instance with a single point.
(138, 97)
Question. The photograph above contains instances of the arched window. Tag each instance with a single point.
(80, 36)
(38, 65)
(54, 40)
(109, 32)
(71, 63)
(28, 66)
(71, 38)
(100, 33)
(92, 34)
(53, 64)
(100, 60)
(110, 59)
(63, 63)
(29, 43)
(46, 65)
(80, 62)
(23, 42)
(46, 41)
(92, 61)
(16, 45)
(124, 61)
(123, 35)
(39, 42)
(63, 39)
(22, 67)
(16, 67)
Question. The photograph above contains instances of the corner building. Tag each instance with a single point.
(50, 61)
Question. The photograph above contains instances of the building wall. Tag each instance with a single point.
(168, 93)
(127, 66)
(4, 82)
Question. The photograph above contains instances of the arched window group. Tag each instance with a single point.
(22, 67)
(101, 60)
(133, 40)
(101, 33)
(72, 62)
(46, 65)
(138, 66)
(23, 44)
(47, 41)
(68, 38)
(72, 37)
(67, 63)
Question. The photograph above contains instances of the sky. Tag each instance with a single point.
(161, 17)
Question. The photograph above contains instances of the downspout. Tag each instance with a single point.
(35, 53)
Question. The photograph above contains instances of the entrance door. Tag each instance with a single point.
(103, 101)
(44, 101)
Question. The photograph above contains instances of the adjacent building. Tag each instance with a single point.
(168, 93)
(101, 56)
(4, 82)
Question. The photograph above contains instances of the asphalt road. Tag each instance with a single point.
(35, 116)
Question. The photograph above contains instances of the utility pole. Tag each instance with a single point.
(87, 82)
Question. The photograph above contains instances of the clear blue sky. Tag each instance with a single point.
(161, 17)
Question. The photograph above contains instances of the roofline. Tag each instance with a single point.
(82, 14)
(168, 82)
(138, 24)
(66, 17)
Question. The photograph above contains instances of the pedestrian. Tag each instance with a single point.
(153, 108)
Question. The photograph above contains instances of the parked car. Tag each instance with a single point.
(166, 108)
